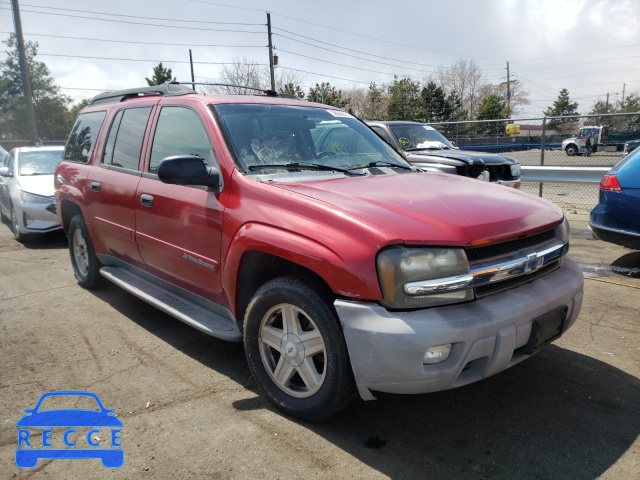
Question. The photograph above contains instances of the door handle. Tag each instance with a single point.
(95, 186)
(146, 200)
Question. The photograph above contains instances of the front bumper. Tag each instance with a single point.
(37, 217)
(387, 348)
(510, 183)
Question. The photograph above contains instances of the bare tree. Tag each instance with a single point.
(519, 96)
(357, 101)
(285, 76)
(241, 71)
(464, 77)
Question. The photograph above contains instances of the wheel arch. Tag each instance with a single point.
(68, 210)
(260, 252)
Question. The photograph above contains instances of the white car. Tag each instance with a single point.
(26, 189)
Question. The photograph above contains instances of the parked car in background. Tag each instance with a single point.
(26, 190)
(616, 218)
(426, 148)
(630, 146)
(3, 155)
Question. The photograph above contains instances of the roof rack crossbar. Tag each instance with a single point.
(166, 89)
(269, 93)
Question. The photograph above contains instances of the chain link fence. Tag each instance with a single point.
(539, 142)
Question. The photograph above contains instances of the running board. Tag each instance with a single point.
(173, 304)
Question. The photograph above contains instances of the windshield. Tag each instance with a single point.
(418, 137)
(285, 138)
(41, 162)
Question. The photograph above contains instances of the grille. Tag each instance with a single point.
(510, 247)
(514, 282)
(496, 172)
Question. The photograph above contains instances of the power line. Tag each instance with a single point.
(349, 66)
(137, 59)
(141, 43)
(139, 23)
(140, 17)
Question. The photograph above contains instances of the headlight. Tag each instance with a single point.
(564, 230)
(31, 198)
(515, 170)
(398, 266)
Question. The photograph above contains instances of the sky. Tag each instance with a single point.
(589, 47)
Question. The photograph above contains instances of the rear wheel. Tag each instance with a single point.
(86, 265)
(296, 351)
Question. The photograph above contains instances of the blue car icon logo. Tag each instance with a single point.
(70, 427)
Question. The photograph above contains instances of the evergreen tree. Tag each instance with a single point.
(492, 107)
(291, 89)
(454, 111)
(160, 75)
(53, 119)
(325, 93)
(405, 100)
(562, 107)
(434, 103)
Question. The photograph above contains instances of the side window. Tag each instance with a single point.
(180, 132)
(107, 158)
(128, 138)
(83, 136)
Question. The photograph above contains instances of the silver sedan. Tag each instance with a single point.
(26, 189)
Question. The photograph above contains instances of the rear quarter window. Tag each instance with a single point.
(83, 136)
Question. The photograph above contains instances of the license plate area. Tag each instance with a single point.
(545, 329)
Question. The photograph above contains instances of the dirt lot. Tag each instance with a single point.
(190, 408)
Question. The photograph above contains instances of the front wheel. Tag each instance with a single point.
(571, 150)
(86, 265)
(15, 226)
(296, 351)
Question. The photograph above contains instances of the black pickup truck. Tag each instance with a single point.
(426, 148)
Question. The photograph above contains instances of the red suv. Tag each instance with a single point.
(341, 267)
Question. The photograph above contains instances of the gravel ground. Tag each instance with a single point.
(190, 408)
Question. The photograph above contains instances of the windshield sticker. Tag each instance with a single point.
(404, 142)
(339, 113)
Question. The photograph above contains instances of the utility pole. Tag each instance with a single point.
(606, 107)
(193, 79)
(508, 89)
(26, 85)
(624, 85)
(271, 70)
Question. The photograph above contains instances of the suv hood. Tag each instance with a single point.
(434, 208)
(469, 158)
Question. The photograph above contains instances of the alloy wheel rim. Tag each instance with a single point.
(292, 350)
(80, 254)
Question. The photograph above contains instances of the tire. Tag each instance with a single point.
(86, 265)
(571, 150)
(15, 226)
(296, 351)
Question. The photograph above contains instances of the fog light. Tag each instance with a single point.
(437, 354)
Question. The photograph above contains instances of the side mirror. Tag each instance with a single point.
(4, 172)
(188, 170)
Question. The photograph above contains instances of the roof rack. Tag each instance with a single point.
(166, 89)
(172, 89)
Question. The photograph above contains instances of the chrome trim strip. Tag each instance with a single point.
(488, 274)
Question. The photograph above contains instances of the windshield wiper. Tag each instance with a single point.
(307, 165)
(378, 163)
